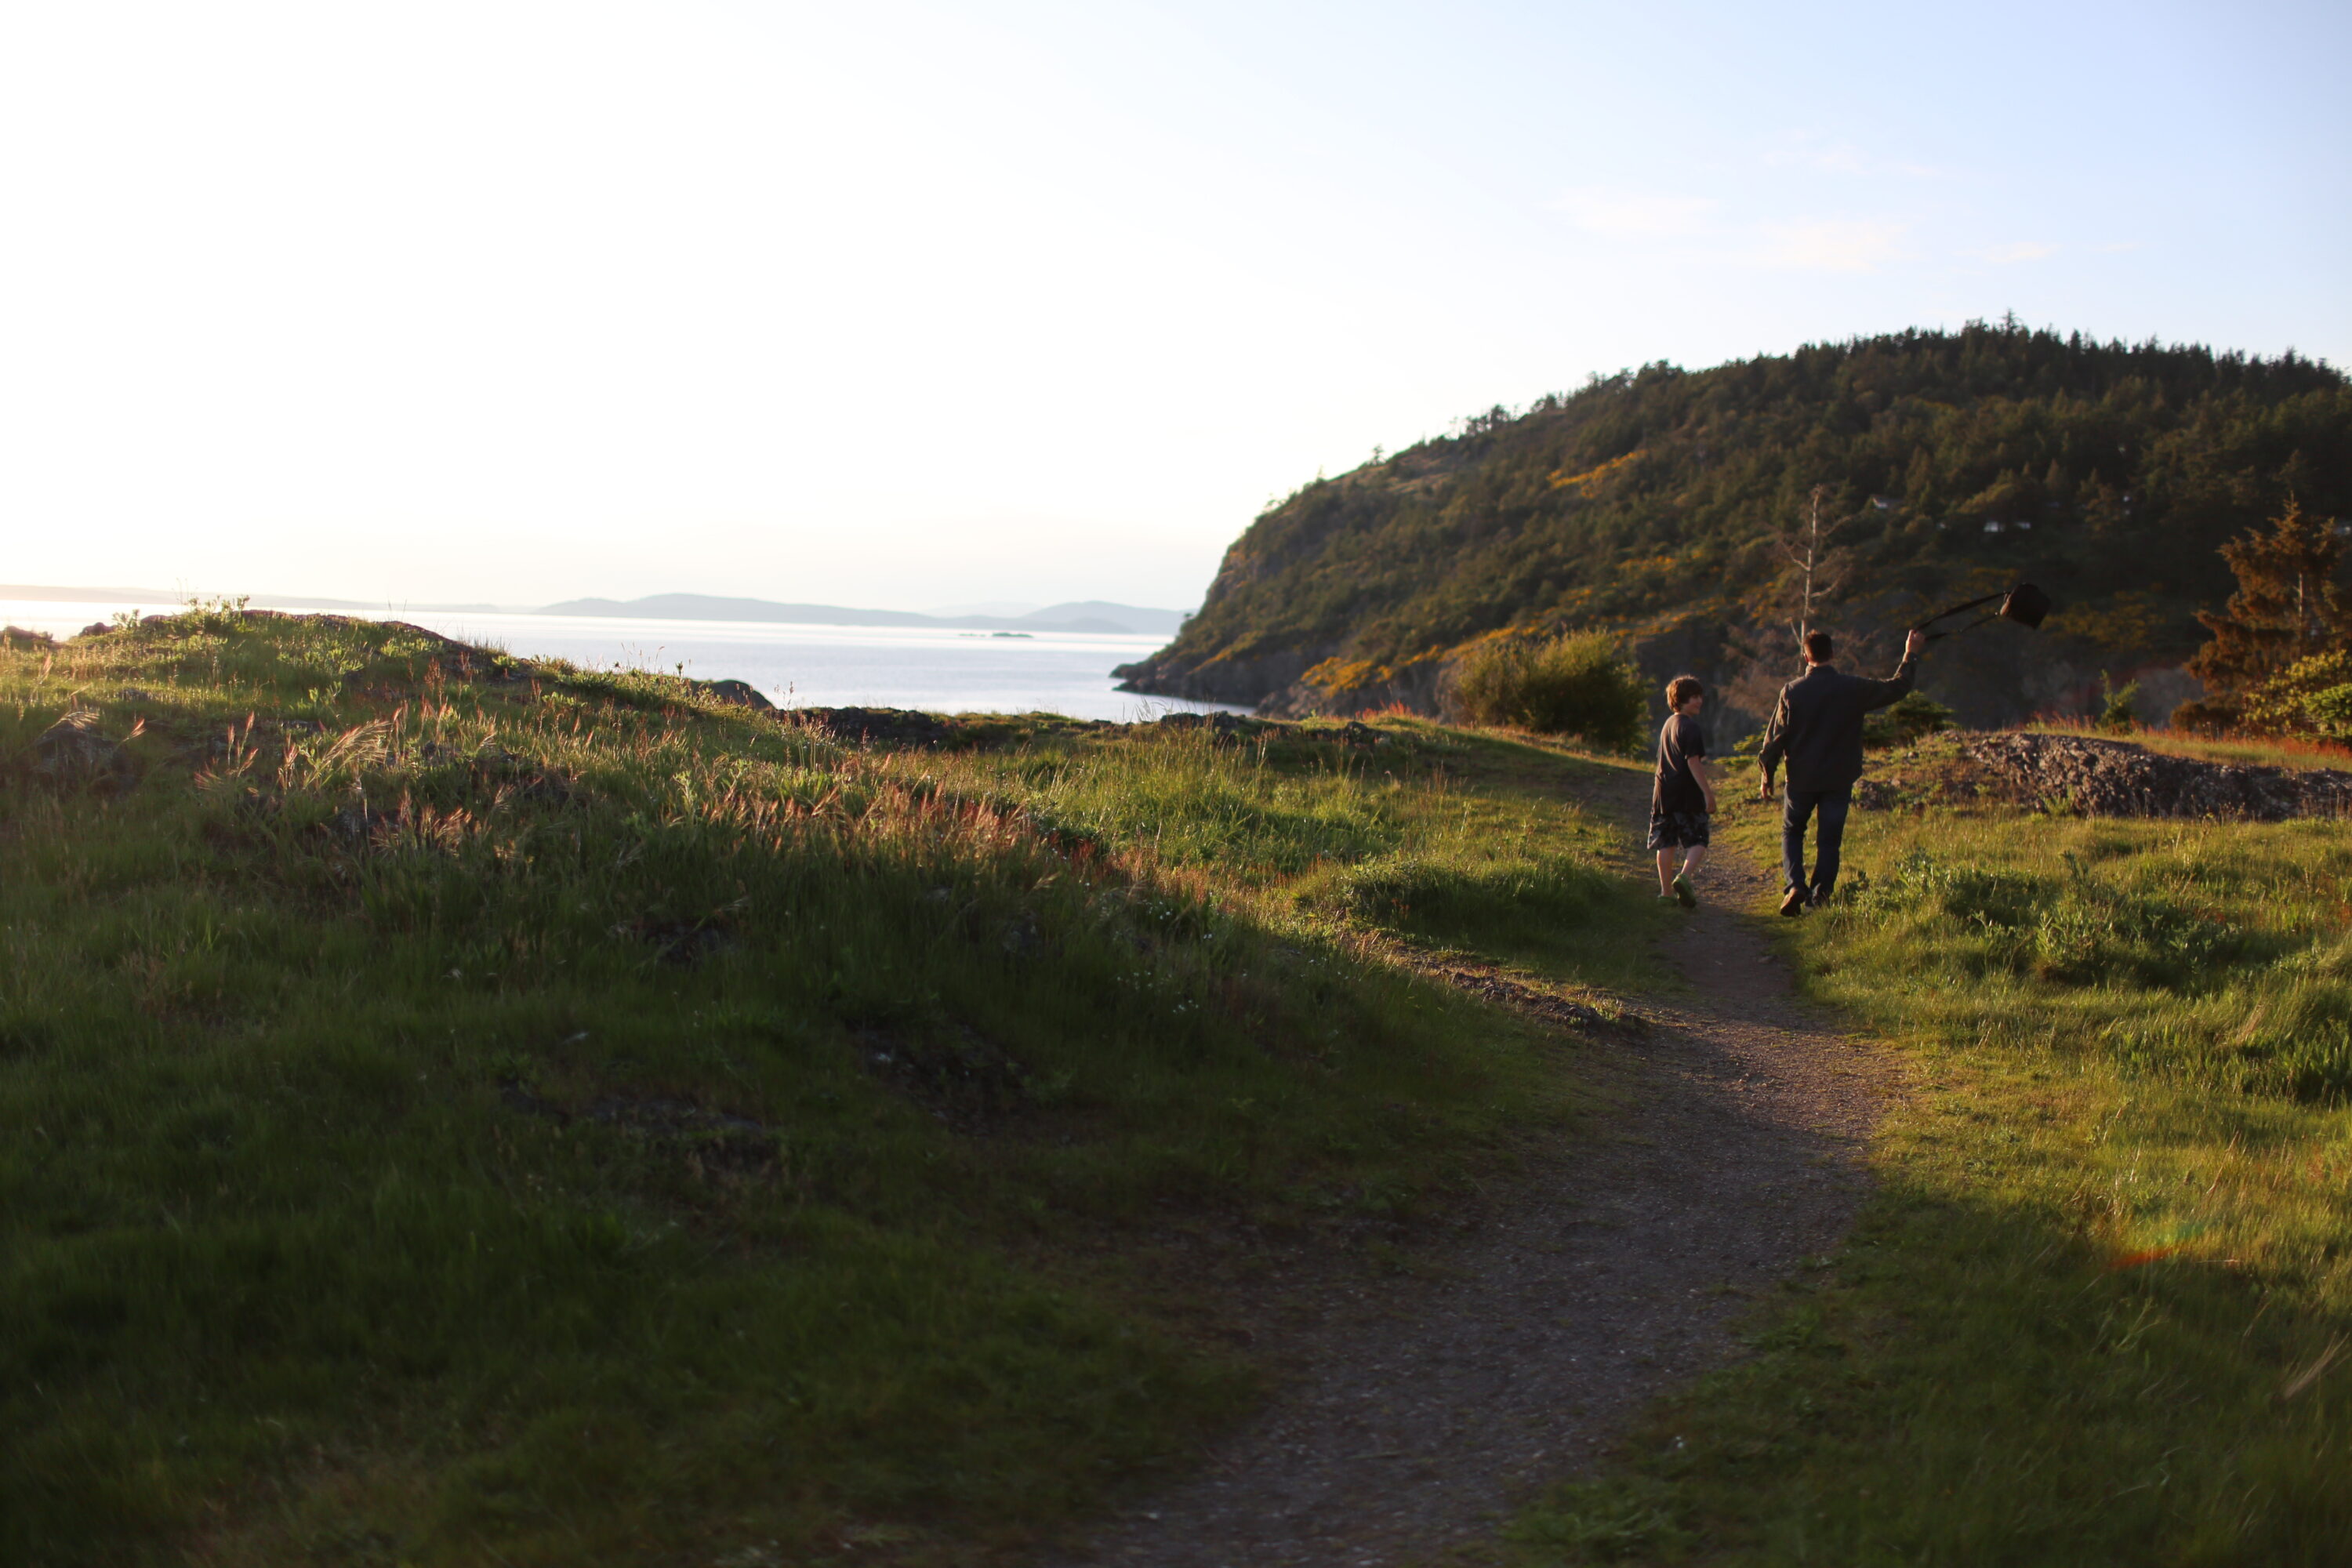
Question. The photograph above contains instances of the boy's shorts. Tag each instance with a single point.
(1677, 830)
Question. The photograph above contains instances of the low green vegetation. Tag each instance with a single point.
(462, 1111)
(1905, 721)
(2316, 696)
(2100, 1308)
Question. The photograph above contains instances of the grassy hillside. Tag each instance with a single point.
(461, 1111)
(468, 1112)
(2099, 1309)
(1647, 502)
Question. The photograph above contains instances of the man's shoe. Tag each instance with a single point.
(1792, 902)
(1818, 896)
(1683, 892)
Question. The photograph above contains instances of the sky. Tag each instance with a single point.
(897, 305)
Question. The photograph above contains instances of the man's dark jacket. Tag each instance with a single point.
(1817, 724)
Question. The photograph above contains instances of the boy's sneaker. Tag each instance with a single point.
(1683, 893)
(1792, 902)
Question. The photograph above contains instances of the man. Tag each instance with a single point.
(1682, 796)
(1818, 727)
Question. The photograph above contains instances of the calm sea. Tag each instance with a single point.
(796, 665)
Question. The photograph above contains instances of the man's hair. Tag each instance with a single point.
(1819, 647)
(1681, 689)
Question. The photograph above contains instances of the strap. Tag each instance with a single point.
(1956, 609)
(1988, 616)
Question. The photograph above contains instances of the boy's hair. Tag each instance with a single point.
(1819, 647)
(1681, 689)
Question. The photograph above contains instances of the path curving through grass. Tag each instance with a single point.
(1418, 1410)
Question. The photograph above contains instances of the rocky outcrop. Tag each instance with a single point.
(739, 693)
(1240, 681)
(1334, 689)
(1234, 726)
(888, 727)
(2114, 778)
(76, 753)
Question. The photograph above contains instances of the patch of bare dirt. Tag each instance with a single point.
(708, 1142)
(961, 1077)
(1414, 1412)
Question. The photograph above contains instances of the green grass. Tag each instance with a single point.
(2097, 1311)
(512, 1113)
(1451, 839)
(518, 1114)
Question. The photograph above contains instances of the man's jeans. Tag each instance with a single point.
(1795, 809)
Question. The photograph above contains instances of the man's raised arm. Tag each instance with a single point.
(1879, 693)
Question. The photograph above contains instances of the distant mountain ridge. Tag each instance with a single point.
(1096, 615)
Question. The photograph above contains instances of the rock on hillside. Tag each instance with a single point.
(2116, 778)
(76, 752)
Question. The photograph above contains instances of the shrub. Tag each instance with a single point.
(2120, 713)
(1572, 685)
(2330, 711)
(1913, 716)
(2312, 695)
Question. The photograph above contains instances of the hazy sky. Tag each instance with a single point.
(900, 304)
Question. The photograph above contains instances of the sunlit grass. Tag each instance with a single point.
(1450, 838)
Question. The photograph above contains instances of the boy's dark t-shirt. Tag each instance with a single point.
(1677, 788)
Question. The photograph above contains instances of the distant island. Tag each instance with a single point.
(1079, 616)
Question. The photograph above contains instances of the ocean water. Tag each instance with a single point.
(796, 665)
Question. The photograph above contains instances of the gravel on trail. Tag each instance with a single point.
(1412, 1417)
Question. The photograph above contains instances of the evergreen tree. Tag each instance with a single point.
(2288, 606)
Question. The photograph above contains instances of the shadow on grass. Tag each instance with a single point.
(1970, 1384)
(2098, 1311)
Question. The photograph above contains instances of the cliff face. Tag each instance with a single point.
(1661, 503)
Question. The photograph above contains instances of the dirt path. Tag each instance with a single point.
(1420, 1413)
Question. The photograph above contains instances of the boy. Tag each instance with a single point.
(1683, 797)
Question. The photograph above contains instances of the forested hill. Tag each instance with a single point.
(1656, 501)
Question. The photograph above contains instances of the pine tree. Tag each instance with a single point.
(2288, 606)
